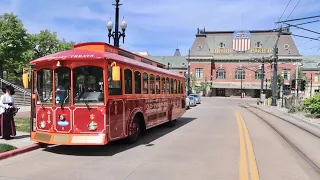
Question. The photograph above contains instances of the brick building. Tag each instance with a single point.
(223, 57)
(311, 72)
(228, 59)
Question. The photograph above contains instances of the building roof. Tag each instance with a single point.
(208, 43)
(175, 61)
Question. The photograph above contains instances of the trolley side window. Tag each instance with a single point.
(137, 81)
(145, 83)
(88, 85)
(163, 79)
(128, 81)
(158, 84)
(62, 84)
(44, 86)
(152, 91)
(114, 87)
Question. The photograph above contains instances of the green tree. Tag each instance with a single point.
(193, 83)
(13, 44)
(204, 86)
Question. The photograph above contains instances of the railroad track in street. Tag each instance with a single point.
(303, 155)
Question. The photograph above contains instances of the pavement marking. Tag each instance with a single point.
(243, 167)
(244, 134)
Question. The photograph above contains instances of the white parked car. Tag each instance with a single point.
(192, 101)
(197, 98)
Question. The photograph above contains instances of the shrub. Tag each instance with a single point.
(6, 147)
(312, 104)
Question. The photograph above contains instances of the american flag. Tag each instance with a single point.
(241, 42)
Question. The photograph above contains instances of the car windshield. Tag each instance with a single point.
(191, 97)
(194, 95)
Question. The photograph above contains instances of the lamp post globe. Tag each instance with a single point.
(123, 25)
(109, 25)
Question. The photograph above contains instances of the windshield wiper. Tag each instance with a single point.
(86, 102)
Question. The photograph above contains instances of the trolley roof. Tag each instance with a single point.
(80, 55)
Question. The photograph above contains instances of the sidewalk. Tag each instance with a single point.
(283, 112)
(22, 139)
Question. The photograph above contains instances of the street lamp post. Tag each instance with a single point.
(188, 78)
(116, 34)
(241, 80)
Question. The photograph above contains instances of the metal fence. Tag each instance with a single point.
(17, 88)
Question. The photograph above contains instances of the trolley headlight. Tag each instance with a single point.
(92, 126)
(42, 124)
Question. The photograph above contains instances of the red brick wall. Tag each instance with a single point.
(231, 67)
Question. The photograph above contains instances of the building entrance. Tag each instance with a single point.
(221, 92)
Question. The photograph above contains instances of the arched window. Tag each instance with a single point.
(152, 91)
(258, 74)
(145, 83)
(220, 74)
(158, 84)
(137, 81)
(163, 79)
(63, 82)
(128, 81)
(240, 73)
(45, 86)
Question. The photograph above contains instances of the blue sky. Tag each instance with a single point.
(161, 26)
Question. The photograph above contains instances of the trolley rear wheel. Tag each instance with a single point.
(135, 131)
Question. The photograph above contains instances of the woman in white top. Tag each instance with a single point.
(7, 125)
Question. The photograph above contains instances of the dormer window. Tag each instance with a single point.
(258, 44)
(286, 47)
(221, 45)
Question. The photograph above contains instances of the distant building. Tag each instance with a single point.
(223, 58)
(311, 71)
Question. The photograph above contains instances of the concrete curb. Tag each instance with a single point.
(18, 151)
(310, 128)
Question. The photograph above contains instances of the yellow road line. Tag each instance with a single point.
(243, 167)
(252, 161)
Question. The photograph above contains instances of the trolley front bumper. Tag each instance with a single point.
(69, 139)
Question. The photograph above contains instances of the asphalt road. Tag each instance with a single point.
(215, 140)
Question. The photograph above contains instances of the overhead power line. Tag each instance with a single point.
(310, 17)
(305, 37)
(306, 23)
(293, 9)
(301, 28)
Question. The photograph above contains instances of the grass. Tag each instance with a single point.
(6, 147)
(22, 124)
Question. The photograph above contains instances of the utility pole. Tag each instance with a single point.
(262, 75)
(311, 86)
(266, 90)
(275, 73)
(188, 78)
(297, 78)
(241, 83)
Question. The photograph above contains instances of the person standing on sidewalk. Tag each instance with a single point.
(7, 111)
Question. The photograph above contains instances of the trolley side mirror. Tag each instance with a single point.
(115, 72)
